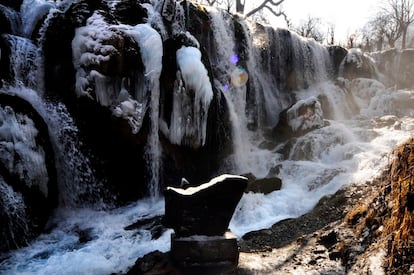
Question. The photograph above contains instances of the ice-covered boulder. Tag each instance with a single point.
(302, 117)
(357, 64)
(28, 184)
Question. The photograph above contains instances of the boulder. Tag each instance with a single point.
(205, 254)
(302, 117)
(155, 262)
(203, 210)
(264, 185)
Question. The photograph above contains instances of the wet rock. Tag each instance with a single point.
(154, 263)
(153, 225)
(203, 210)
(264, 185)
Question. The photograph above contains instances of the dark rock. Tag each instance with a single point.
(84, 235)
(130, 12)
(328, 240)
(154, 263)
(14, 4)
(410, 201)
(144, 223)
(203, 210)
(337, 54)
(8, 18)
(265, 185)
(5, 71)
(152, 224)
(197, 255)
(201, 254)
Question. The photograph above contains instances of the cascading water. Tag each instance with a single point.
(151, 51)
(23, 59)
(337, 146)
(339, 132)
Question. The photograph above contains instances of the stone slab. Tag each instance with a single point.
(205, 253)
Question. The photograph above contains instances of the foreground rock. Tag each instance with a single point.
(200, 217)
(203, 210)
(205, 254)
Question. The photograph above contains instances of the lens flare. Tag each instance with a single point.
(234, 59)
(239, 77)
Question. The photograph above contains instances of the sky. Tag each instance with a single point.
(347, 15)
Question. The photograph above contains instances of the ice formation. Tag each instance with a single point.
(192, 96)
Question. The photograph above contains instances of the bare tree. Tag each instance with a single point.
(273, 6)
(225, 4)
(330, 37)
(383, 27)
(402, 12)
(311, 28)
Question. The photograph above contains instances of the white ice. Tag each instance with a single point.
(191, 99)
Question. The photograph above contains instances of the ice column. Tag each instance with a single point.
(192, 96)
(151, 49)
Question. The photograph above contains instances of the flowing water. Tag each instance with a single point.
(345, 146)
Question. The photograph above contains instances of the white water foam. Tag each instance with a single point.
(322, 161)
(112, 249)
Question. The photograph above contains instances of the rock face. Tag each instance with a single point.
(396, 66)
(203, 210)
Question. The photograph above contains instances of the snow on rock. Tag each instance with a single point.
(97, 52)
(305, 115)
(19, 152)
(150, 44)
(89, 50)
(357, 64)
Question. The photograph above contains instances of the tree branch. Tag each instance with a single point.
(264, 5)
